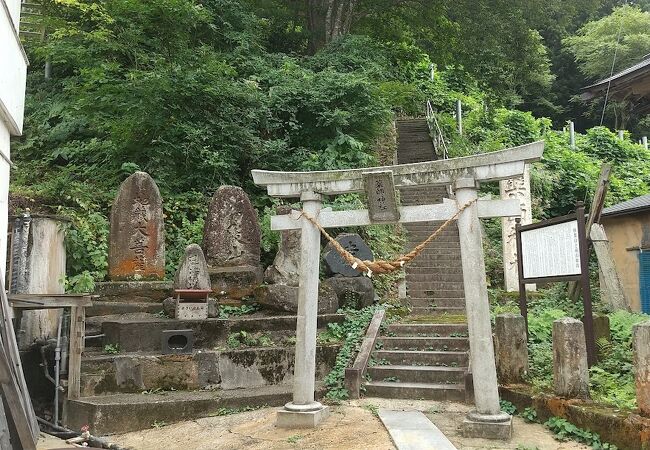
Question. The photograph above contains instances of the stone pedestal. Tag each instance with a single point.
(304, 411)
(302, 419)
(497, 426)
(641, 348)
(488, 420)
(511, 348)
(352, 292)
(285, 298)
(133, 291)
(570, 371)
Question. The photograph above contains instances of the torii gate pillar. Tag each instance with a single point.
(304, 411)
(487, 421)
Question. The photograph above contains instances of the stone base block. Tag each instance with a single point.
(235, 282)
(133, 291)
(302, 419)
(491, 427)
(285, 298)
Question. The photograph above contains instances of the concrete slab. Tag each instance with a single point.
(412, 430)
(302, 419)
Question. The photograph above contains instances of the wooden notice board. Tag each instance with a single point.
(557, 250)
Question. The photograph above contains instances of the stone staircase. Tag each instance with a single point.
(425, 356)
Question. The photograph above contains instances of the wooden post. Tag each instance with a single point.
(523, 304)
(612, 284)
(77, 333)
(572, 135)
(644, 142)
(586, 289)
(621, 135)
(459, 116)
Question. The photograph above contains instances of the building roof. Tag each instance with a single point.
(632, 206)
(631, 84)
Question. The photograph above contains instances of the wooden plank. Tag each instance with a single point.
(48, 301)
(77, 333)
(613, 294)
(354, 375)
(595, 212)
(15, 391)
(588, 318)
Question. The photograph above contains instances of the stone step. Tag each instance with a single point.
(103, 374)
(442, 252)
(428, 358)
(414, 269)
(434, 276)
(426, 391)
(418, 374)
(414, 343)
(433, 295)
(134, 335)
(123, 413)
(439, 315)
(433, 303)
(111, 308)
(434, 286)
(427, 329)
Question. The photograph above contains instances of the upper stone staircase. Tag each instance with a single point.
(427, 354)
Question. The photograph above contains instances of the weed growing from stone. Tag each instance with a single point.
(112, 349)
(529, 415)
(230, 411)
(245, 339)
(226, 311)
(564, 430)
(374, 409)
(507, 407)
(158, 424)
(294, 439)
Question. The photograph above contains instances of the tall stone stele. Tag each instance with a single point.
(137, 237)
(231, 242)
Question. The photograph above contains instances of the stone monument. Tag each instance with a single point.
(285, 267)
(517, 188)
(352, 289)
(231, 242)
(136, 248)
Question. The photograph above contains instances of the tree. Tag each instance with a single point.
(625, 32)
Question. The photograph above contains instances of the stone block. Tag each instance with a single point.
(352, 292)
(511, 349)
(641, 349)
(570, 371)
(133, 291)
(136, 243)
(235, 282)
(306, 419)
(191, 311)
(285, 298)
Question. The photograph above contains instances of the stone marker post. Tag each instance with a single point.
(570, 371)
(511, 348)
(641, 348)
(487, 420)
(304, 411)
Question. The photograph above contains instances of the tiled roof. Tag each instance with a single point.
(628, 207)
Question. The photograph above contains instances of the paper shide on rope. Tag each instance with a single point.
(381, 266)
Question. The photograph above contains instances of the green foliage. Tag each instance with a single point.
(529, 415)
(226, 311)
(230, 411)
(294, 438)
(351, 333)
(594, 44)
(112, 349)
(565, 430)
(507, 407)
(246, 339)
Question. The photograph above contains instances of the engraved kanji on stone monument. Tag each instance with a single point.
(232, 232)
(353, 243)
(381, 197)
(137, 242)
(192, 272)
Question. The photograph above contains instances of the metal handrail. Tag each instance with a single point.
(438, 140)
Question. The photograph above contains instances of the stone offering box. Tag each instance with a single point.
(192, 304)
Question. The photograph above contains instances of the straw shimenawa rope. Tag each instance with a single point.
(381, 266)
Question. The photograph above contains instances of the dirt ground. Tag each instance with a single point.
(351, 425)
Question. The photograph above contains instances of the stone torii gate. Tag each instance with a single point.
(464, 175)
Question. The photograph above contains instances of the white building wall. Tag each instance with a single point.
(13, 73)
